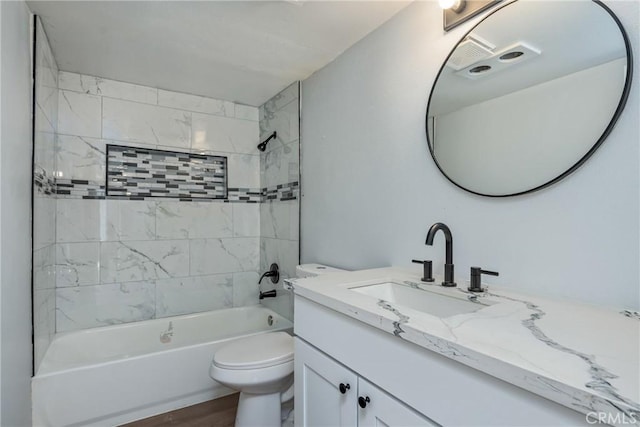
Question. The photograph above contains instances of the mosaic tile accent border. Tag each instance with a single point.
(245, 195)
(80, 189)
(148, 173)
(282, 192)
(90, 190)
(43, 184)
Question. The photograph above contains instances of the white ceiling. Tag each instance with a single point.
(243, 51)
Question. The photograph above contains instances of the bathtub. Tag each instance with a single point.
(117, 374)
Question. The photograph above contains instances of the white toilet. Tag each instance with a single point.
(261, 368)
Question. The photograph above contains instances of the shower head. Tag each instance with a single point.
(263, 145)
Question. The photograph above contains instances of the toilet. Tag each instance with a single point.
(260, 367)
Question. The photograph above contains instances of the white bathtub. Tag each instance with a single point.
(117, 374)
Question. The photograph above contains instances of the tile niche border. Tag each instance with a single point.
(151, 173)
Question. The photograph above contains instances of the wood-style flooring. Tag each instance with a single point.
(214, 413)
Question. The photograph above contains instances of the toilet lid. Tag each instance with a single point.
(259, 351)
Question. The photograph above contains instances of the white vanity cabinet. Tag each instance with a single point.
(329, 394)
(413, 385)
(325, 391)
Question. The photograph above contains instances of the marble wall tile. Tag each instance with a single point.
(283, 252)
(44, 146)
(213, 133)
(132, 121)
(91, 306)
(42, 123)
(179, 220)
(246, 112)
(44, 274)
(44, 321)
(47, 102)
(200, 104)
(46, 94)
(280, 220)
(193, 294)
(286, 122)
(215, 256)
(46, 77)
(44, 205)
(44, 220)
(121, 261)
(105, 87)
(125, 220)
(243, 171)
(246, 219)
(283, 98)
(272, 220)
(281, 165)
(79, 220)
(79, 114)
(44, 58)
(145, 260)
(79, 157)
(245, 289)
(77, 264)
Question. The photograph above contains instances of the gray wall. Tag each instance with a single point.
(371, 191)
(15, 215)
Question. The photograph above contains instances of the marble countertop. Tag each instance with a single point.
(582, 356)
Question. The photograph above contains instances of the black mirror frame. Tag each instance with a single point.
(621, 104)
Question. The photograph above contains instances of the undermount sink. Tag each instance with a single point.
(419, 299)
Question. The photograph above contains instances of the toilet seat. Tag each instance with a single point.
(256, 352)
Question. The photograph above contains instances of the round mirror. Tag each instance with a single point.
(528, 95)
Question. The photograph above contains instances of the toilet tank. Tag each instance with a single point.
(313, 270)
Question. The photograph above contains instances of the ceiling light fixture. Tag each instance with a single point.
(455, 12)
(456, 6)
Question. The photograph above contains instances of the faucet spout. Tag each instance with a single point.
(448, 264)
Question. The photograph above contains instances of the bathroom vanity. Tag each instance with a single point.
(380, 346)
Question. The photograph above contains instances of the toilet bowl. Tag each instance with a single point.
(261, 369)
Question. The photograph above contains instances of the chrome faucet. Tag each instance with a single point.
(448, 264)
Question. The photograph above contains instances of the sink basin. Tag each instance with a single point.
(419, 299)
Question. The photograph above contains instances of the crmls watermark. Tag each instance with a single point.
(613, 419)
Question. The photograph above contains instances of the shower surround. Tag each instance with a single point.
(45, 115)
(280, 216)
(118, 259)
(126, 260)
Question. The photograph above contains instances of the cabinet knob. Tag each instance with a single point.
(362, 401)
(344, 387)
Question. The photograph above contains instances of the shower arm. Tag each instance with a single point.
(263, 145)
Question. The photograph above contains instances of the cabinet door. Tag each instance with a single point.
(318, 396)
(382, 410)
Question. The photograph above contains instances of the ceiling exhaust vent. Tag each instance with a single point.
(505, 58)
(473, 49)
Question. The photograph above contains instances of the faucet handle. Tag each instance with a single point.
(273, 273)
(427, 267)
(476, 278)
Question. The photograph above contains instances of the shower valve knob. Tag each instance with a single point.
(344, 387)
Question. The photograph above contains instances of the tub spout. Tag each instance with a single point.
(268, 294)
